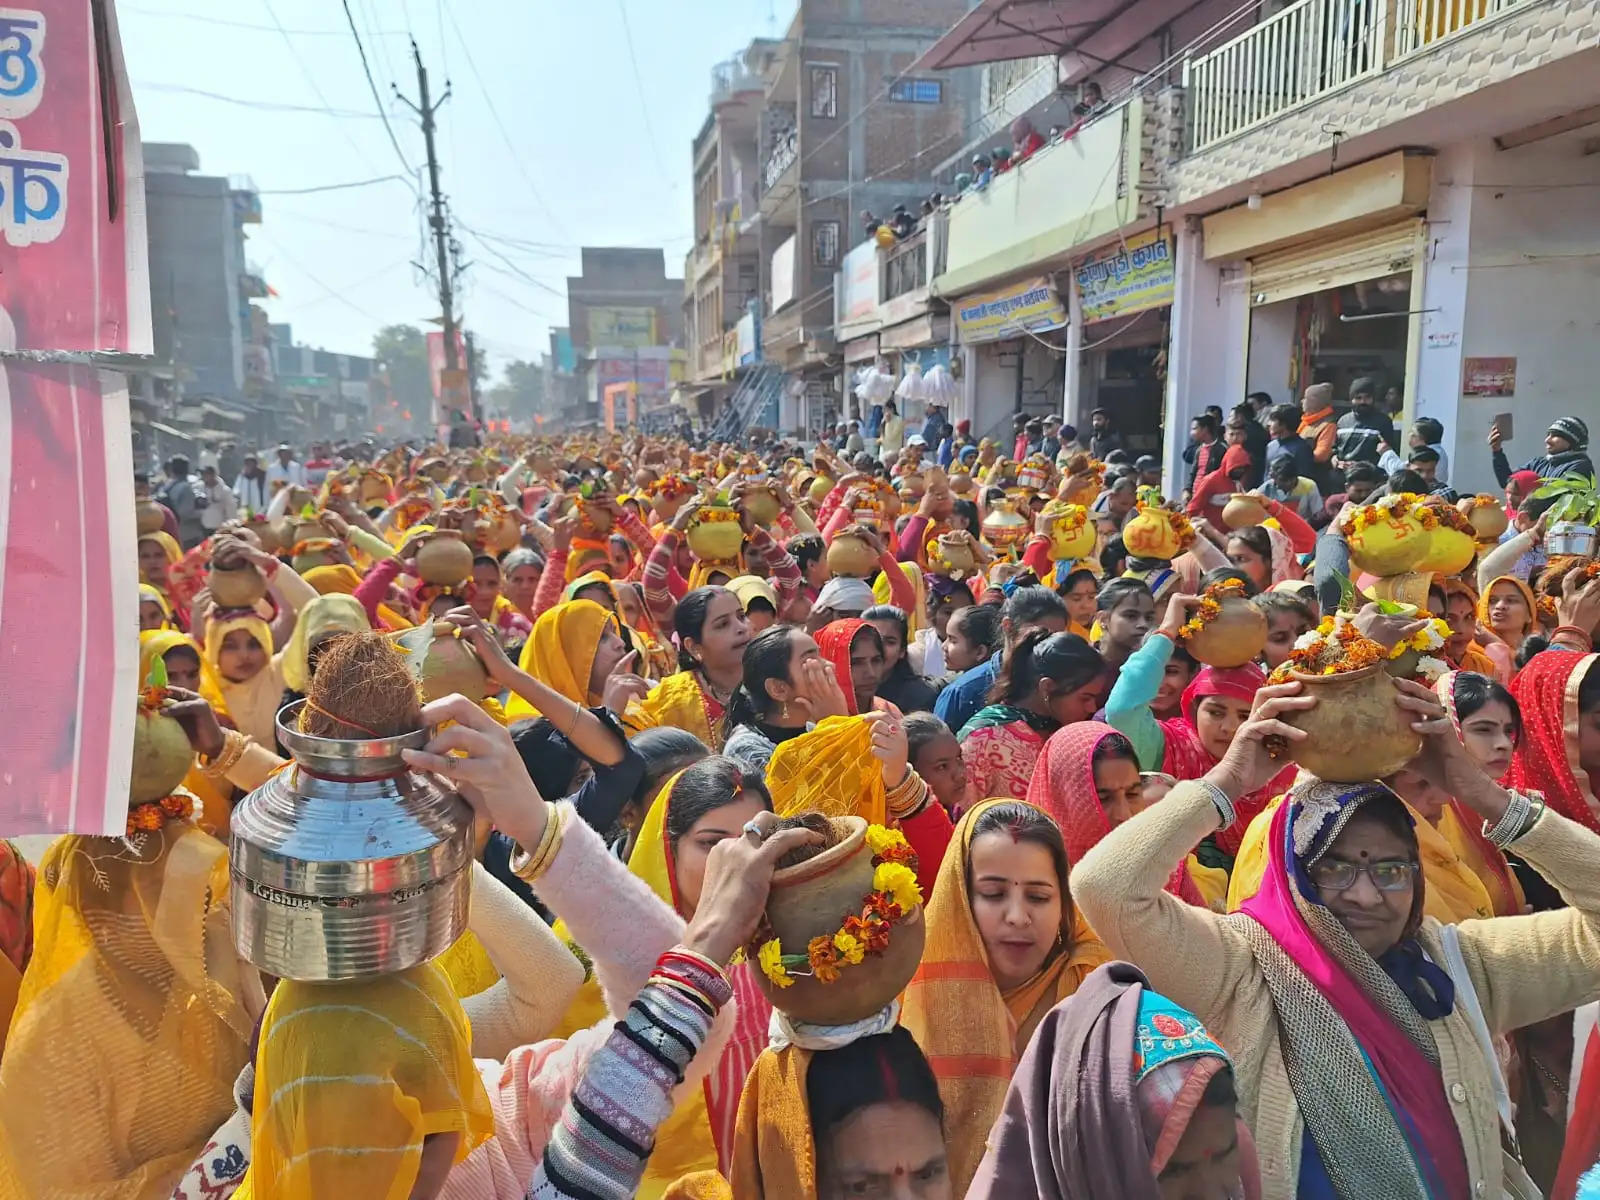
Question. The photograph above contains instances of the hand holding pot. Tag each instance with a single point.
(1249, 762)
(733, 897)
(1579, 603)
(1179, 608)
(1387, 629)
(482, 640)
(485, 768)
(195, 714)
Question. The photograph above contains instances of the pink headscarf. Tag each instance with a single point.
(1186, 756)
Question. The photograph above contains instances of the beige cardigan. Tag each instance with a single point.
(1525, 969)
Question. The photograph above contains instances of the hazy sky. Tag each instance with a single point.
(583, 158)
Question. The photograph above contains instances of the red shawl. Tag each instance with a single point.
(1186, 756)
(1063, 786)
(834, 639)
(1546, 758)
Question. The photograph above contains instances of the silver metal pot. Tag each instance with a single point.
(1568, 537)
(347, 864)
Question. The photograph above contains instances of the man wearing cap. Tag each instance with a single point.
(1149, 468)
(1566, 452)
(1049, 443)
(842, 596)
(1319, 428)
(284, 471)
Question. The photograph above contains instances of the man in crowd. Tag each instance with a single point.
(1204, 437)
(1365, 428)
(178, 493)
(1318, 427)
(1286, 485)
(221, 505)
(1284, 441)
(318, 465)
(1566, 452)
(284, 471)
(1103, 436)
(251, 489)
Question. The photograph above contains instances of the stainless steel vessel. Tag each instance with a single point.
(347, 864)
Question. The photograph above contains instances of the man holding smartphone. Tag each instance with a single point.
(1566, 452)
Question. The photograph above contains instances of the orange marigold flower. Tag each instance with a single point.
(824, 959)
(870, 931)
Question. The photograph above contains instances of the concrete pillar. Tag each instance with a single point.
(1443, 299)
(1205, 353)
(1071, 384)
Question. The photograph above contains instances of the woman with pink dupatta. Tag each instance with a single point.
(1361, 1029)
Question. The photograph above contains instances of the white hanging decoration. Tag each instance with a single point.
(911, 387)
(874, 385)
(938, 387)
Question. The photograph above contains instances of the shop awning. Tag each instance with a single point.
(1082, 30)
(930, 329)
(861, 349)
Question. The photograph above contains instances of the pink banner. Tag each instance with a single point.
(73, 277)
(68, 599)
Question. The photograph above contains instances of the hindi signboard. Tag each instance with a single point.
(1128, 278)
(1031, 306)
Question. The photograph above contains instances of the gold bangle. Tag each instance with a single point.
(528, 866)
(234, 745)
(908, 796)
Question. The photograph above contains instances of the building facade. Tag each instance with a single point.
(625, 329)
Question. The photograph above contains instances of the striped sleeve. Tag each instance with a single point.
(599, 1149)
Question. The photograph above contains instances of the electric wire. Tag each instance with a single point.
(366, 69)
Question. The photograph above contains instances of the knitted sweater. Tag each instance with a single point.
(1524, 969)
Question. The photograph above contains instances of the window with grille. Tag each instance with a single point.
(917, 91)
(825, 243)
(824, 92)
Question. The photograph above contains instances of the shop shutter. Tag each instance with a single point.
(1318, 266)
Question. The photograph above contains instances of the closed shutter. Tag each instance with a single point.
(1316, 267)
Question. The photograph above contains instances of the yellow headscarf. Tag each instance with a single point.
(253, 704)
(129, 1028)
(972, 1032)
(830, 769)
(589, 579)
(1452, 891)
(168, 543)
(325, 615)
(214, 796)
(341, 579)
(351, 1077)
(148, 592)
(917, 618)
(684, 1143)
(560, 651)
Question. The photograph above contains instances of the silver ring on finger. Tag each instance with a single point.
(754, 829)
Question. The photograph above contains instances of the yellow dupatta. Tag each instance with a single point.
(678, 700)
(830, 769)
(129, 1027)
(213, 794)
(341, 579)
(150, 594)
(253, 704)
(1452, 891)
(971, 1032)
(351, 1077)
(684, 1143)
(560, 652)
(917, 618)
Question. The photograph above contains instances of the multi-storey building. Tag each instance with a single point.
(625, 331)
(1252, 199)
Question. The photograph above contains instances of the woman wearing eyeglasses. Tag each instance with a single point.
(1361, 1027)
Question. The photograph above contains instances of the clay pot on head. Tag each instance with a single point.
(314, 553)
(1410, 587)
(148, 517)
(1487, 515)
(762, 503)
(1005, 526)
(274, 535)
(1449, 551)
(501, 533)
(452, 666)
(958, 553)
(236, 584)
(715, 541)
(1389, 547)
(1232, 638)
(1070, 544)
(596, 519)
(162, 756)
(444, 558)
(373, 489)
(1356, 731)
(1150, 535)
(299, 497)
(1243, 511)
(961, 483)
(810, 900)
(850, 554)
(819, 489)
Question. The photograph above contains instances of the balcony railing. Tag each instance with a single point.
(785, 149)
(1310, 49)
(905, 266)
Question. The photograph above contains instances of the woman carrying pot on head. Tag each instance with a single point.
(787, 688)
(1088, 781)
(1361, 1028)
(709, 802)
(712, 634)
(1121, 1095)
(1215, 703)
(1005, 944)
(1046, 681)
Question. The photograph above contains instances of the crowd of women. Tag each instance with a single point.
(1158, 960)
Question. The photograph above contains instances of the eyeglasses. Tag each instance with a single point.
(1387, 875)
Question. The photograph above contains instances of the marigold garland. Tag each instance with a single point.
(895, 895)
(1338, 650)
(153, 814)
(1210, 605)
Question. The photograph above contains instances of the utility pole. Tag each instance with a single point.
(438, 221)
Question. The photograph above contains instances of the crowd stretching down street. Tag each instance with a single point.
(1086, 694)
